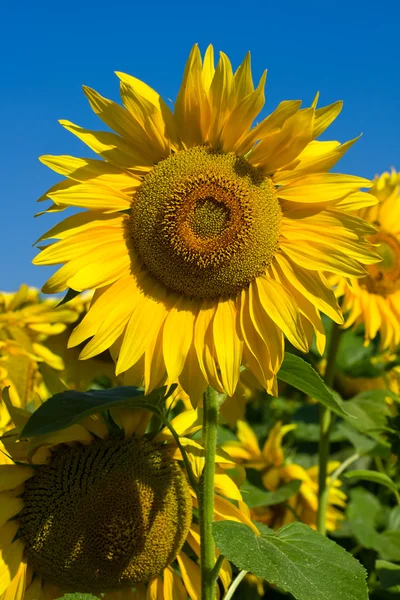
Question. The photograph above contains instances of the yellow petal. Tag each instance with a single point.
(191, 576)
(111, 147)
(102, 304)
(208, 67)
(173, 586)
(13, 475)
(313, 286)
(242, 80)
(228, 346)
(221, 97)
(89, 169)
(16, 589)
(192, 110)
(10, 560)
(225, 486)
(273, 122)
(93, 197)
(325, 116)
(145, 321)
(225, 510)
(182, 424)
(242, 116)
(248, 438)
(280, 306)
(74, 433)
(123, 122)
(315, 257)
(133, 89)
(155, 589)
(9, 507)
(281, 147)
(322, 187)
(178, 336)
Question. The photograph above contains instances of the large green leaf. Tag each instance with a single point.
(388, 573)
(254, 496)
(374, 476)
(295, 558)
(298, 373)
(71, 406)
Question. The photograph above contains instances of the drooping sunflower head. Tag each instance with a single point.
(105, 506)
(205, 237)
(374, 300)
(92, 512)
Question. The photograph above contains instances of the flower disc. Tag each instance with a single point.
(106, 516)
(205, 223)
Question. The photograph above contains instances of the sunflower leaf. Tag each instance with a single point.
(78, 596)
(388, 573)
(295, 558)
(255, 497)
(69, 407)
(298, 373)
(374, 476)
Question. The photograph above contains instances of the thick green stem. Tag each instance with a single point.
(325, 424)
(206, 495)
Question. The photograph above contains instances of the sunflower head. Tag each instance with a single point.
(205, 237)
(105, 516)
(93, 512)
(26, 324)
(374, 300)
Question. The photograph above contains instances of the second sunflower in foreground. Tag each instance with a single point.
(87, 510)
(205, 238)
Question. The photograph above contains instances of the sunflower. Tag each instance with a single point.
(374, 300)
(204, 238)
(84, 510)
(26, 323)
(276, 471)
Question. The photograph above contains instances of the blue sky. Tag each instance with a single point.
(346, 50)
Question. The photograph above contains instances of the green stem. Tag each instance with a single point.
(217, 567)
(234, 585)
(206, 495)
(325, 424)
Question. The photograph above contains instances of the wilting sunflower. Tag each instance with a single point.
(26, 323)
(83, 510)
(277, 471)
(374, 300)
(204, 237)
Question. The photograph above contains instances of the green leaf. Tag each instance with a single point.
(394, 519)
(78, 596)
(295, 558)
(389, 545)
(374, 476)
(362, 512)
(388, 573)
(71, 406)
(254, 496)
(370, 411)
(298, 373)
(354, 358)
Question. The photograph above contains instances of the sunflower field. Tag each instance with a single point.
(202, 402)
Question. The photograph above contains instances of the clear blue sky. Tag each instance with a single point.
(347, 50)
